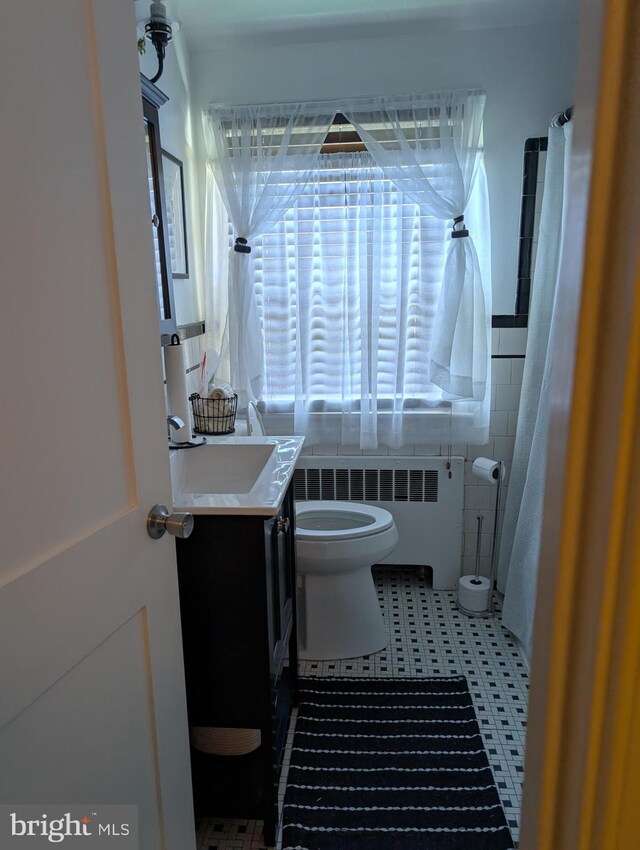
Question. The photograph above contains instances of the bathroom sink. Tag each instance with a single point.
(234, 474)
(223, 468)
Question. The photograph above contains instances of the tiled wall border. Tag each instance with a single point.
(520, 319)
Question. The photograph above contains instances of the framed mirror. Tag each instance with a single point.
(152, 100)
(175, 212)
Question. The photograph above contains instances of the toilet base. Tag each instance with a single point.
(330, 625)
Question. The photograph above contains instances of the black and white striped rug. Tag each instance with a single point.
(390, 764)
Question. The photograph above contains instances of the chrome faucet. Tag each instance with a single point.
(174, 422)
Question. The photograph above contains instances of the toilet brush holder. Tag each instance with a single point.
(474, 591)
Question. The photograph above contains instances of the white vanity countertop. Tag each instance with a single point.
(193, 469)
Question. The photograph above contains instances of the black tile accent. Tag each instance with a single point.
(520, 319)
(523, 295)
(503, 321)
(530, 176)
(525, 254)
(527, 214)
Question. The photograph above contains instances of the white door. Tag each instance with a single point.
(92, 704)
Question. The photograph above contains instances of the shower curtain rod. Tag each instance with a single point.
(562, 118)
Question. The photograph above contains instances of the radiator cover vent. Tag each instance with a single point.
(366, 485)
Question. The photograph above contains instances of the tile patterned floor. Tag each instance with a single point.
(428, 636)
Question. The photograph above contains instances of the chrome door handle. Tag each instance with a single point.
(160, 520)
(283, 524)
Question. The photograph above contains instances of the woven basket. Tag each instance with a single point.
(214, 415)
(222, 741)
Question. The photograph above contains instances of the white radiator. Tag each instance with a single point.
(425, 502)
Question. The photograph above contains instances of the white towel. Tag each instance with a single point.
(221, 391)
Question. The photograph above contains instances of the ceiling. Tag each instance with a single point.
(208, 24)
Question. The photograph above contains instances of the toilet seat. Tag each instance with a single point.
(330, 520)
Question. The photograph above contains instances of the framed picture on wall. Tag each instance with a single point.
(175, 212)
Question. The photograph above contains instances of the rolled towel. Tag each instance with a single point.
(221, 391)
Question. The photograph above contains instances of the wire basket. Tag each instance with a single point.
(214, 415)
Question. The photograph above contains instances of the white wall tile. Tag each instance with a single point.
(352, 451)
(504, 448)
(507, 397)
(501, 371)
(469, 544)
(480, 451)
(468, 565)
(517, 370)
(479, 496)
(495, 340)
(499, 423)
(512, 341)
(405, 451)
(432, 450)
(459, 449)
(325, 449)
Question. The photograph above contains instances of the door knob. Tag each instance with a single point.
(160, 520)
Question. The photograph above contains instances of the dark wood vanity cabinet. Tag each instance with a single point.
(238, 605)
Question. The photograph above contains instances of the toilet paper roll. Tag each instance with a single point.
(177, 398)
(221, 391)
(487, 469)
(474, 597)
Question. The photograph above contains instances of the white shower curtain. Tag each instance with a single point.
(520, 542)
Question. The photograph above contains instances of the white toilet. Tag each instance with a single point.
(338, 611)
(336, 545)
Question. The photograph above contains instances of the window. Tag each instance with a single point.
(339, 316)
(347, 286)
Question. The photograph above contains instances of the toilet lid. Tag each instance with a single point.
(318, 520)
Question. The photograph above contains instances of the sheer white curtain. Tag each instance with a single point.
(216, 268)
(520, 542)
(430, 147)
(251, 152)
(348, 285)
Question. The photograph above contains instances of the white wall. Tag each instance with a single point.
(526, 71)
(176, 132)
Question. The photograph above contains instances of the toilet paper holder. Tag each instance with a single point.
(490, 610)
